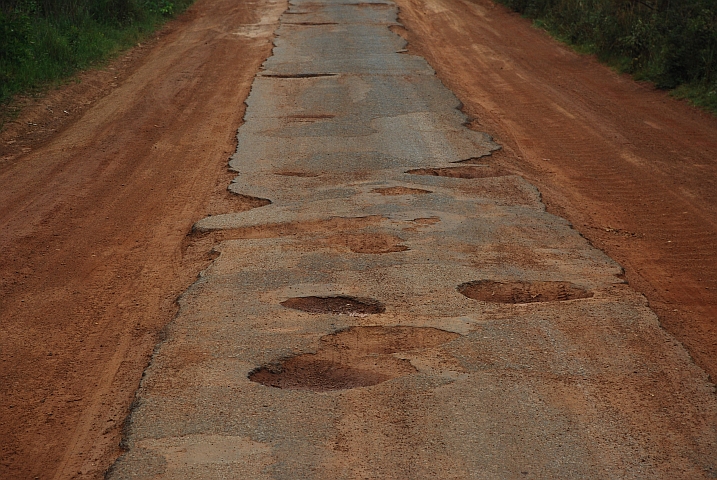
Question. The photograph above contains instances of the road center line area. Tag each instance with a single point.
(398, 305)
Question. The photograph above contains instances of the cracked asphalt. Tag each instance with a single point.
(505, 345)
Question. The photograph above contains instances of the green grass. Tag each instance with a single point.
(672, 43)
(699, 94)
(39, 48)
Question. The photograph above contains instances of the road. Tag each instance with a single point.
(329, 257)
(399, 306)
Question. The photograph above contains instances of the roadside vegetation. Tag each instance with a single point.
(672, 43)
(44, 41)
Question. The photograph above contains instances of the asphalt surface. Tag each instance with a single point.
(382, 198)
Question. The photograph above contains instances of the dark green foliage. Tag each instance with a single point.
(46, 40)
(670, 42)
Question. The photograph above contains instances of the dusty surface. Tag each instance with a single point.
(634, 170)
(496, 343)
(100, 187)
(92, 227)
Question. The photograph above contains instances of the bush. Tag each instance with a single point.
(43, 41)
(670, 42)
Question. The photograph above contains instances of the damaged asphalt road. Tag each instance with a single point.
(402, 308)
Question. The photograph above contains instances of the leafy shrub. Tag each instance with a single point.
(670, 42)
(45, 40)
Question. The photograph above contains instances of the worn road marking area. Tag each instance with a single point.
(402, 308)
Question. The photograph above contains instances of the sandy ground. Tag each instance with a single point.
(97, 202)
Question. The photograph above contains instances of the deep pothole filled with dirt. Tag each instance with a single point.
(336, 305)
(522, 292)
(467, 171)
(356, 357)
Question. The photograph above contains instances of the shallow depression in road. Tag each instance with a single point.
(356, 357)
(522, 292)
(337, 305)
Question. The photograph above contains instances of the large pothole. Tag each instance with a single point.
(336, 305)
(522, 292)
(356, 357)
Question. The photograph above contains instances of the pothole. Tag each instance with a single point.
(299, 75)
(372, 243)
(356, 357)
(467, 171)
(400, 191)
(522, 292)
(336, 305)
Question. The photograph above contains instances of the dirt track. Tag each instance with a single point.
(95, 216)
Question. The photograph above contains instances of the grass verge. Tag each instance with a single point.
(45, 42)
(670, 43)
